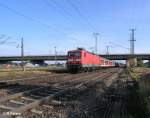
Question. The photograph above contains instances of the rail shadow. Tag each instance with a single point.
(17, 88)
(137, 105)
(57, 71)
(126, 101)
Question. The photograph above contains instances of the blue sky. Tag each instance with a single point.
(68, 24)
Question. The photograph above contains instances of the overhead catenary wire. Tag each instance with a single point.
(2, 36)
(64, 12)
(59, 9)
(87, 17)
(4, 41)
(17, 12)
(30, 18)
(119, 45)
(83, 17)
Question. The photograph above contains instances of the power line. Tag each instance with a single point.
(59, 9)
(4, 41)
(28, 17)
(7, 41)
(85, 19)
(2, 36)
(119, 45)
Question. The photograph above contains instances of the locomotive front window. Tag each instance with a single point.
(74, 54)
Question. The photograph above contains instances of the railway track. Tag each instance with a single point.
(24, 102)
(63, 99)
(11, 81)
(27, 83)
(6, 83)
(7, 89)
(115, 104)
(19, 85)
(111, 103)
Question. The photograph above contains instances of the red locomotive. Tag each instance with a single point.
(81, 59)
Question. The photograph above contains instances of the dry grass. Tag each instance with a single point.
(18, 73)
(30, 72)
(141, 70)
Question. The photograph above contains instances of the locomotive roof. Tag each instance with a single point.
(88, 52)
(82, 50)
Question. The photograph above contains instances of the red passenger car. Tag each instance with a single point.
(81, 59)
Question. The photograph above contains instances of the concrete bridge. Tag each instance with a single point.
(126, 56)
(131, 59)
(39, 59)
(34, 57)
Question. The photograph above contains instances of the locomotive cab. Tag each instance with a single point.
(74, 61)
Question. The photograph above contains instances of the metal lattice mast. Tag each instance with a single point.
(96, 38)
(55, 55)
(22, 54)
(132, 40)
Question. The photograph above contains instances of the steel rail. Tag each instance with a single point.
(38, 102)
(30, 78)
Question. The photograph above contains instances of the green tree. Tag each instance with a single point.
(140, 63)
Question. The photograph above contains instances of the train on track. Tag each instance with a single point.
(82, 60)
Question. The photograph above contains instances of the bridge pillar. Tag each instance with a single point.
(149, 63)
(39, 62)
(131, 62)
(127, 63)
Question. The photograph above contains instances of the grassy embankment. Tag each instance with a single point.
(29, 72)
(137, 95)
